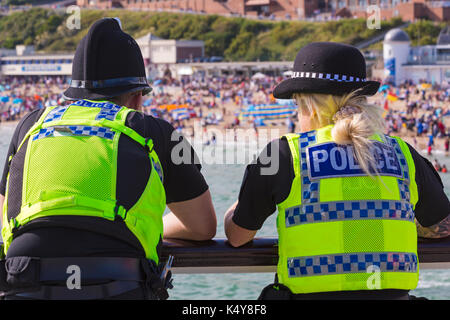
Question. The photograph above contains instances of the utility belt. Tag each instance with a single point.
(278, 291)
(82, 278)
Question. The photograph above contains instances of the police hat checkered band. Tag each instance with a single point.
(327, 76)
(349, 210)
(352, 263)
(108, 83)
(75, 131)
(55, 114)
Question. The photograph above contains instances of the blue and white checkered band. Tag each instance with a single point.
(310, 190)
(327, 76)
(311, 210)
(158, 170)
(401, 157)
(107, 110)
(352, 263)
(74, 131)
(55, 114)
(349, 210)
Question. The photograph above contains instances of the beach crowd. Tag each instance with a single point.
(410, 110)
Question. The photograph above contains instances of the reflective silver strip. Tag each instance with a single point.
(352, 263)
(108, 83)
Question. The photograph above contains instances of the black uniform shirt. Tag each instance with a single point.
(88, 236)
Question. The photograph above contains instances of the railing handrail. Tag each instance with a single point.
(261, 255)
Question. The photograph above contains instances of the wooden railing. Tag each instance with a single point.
(261, 255)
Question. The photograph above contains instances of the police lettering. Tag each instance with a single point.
(332, 160)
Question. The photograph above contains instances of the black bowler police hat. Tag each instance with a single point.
(327, 67)
(107, 63)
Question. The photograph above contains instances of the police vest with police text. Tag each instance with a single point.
(70, 168)
(341, 229)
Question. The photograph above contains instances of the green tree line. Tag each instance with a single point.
(233, 38)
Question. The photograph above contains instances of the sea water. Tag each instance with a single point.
(224, 181)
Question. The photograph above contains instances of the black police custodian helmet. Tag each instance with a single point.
(329, 68)
(107, 63)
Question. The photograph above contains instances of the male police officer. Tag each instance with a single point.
(87, 183)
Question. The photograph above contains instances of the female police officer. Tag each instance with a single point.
(347, 195)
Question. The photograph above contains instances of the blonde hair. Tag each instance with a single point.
(355, 121)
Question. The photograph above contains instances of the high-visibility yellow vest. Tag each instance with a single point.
(342, 230)
(70, 169)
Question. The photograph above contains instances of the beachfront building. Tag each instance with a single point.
(157, 53)
(403, 62)
(241, 68)
(161, 55)
(409, 10)
(25, 62)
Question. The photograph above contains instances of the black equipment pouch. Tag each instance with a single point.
(3, 284)
(154, 284)
(276, 291)
(22, 272)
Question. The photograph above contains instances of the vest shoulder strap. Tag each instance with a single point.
(292, 139)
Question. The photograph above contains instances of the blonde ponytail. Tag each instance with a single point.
(355, 121)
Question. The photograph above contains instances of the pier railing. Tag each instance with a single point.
(261, 255)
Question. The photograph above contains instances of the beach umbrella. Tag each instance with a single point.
(17, 100)
(4, 99)
(258, 75)
(383, 88)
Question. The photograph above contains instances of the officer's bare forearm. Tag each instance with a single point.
(236, 235)
(193, 219)
(438, 230)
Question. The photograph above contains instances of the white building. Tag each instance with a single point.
(25, 62)
(157, 53)
(161, 55)
(161, 51)
(429, 63)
